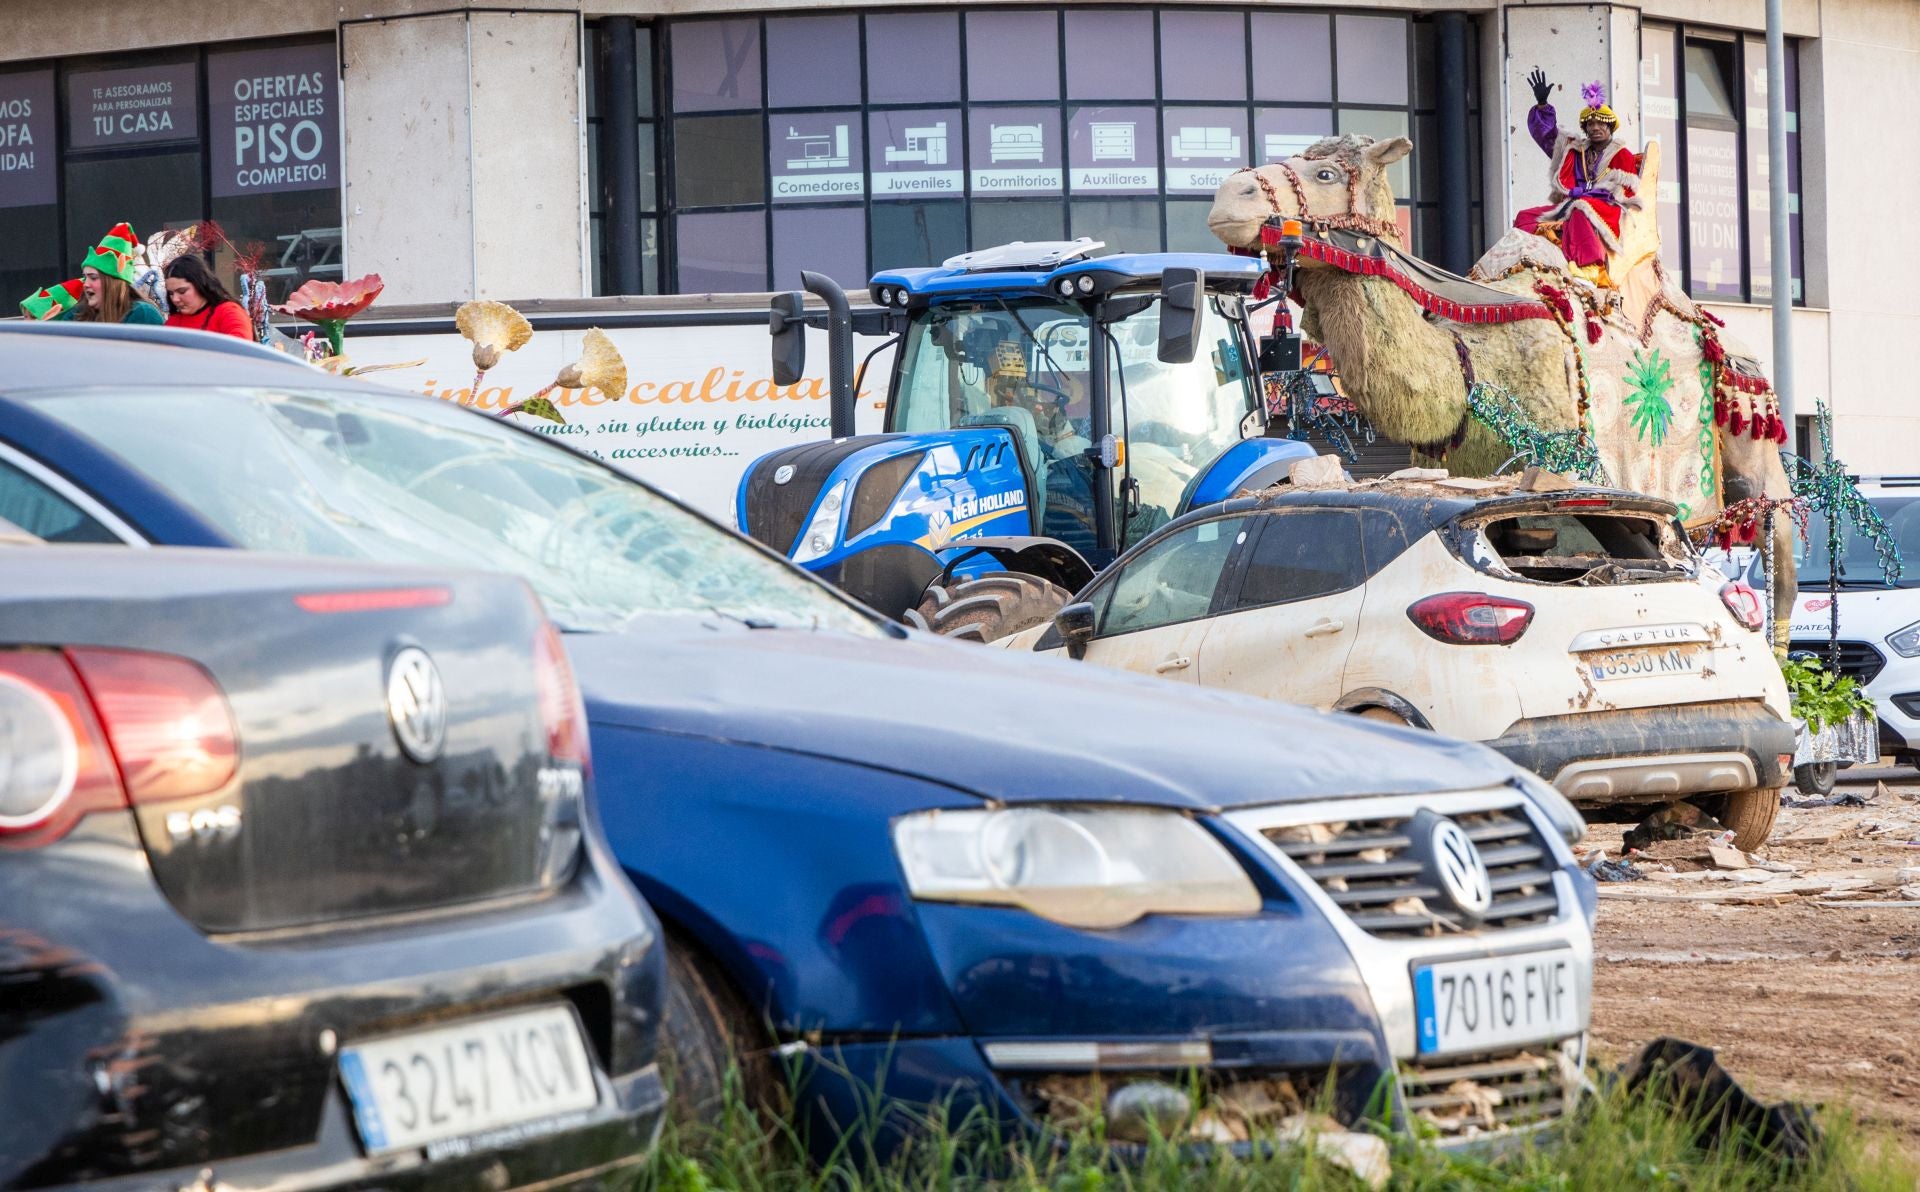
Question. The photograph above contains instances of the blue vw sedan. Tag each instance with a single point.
(884, 860)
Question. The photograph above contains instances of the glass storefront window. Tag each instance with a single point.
(1013, 55)
(829, 240)
(913, 57)
(1021, 123)
(716, 65)
(1110, 53)
(1203, 55)
(722, 252)
(813, 61)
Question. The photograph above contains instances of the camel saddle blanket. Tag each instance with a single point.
(1447, 295)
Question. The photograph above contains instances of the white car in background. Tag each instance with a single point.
(1879, 623)
(1577, 632)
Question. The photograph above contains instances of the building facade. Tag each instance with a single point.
(554, 149)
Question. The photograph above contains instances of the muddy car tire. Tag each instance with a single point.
(1749, 813)
(1815, 778)
(1383, 715)
(706, 1031)
(989, 607)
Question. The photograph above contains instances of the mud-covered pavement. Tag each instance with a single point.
(1807, 994)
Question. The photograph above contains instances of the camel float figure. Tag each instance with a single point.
(1633, 382)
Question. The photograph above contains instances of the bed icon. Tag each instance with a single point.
(1016, 142)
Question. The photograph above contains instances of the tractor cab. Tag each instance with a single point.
(1047, 409)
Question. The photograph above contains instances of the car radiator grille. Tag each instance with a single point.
(1367, 868)
(1506, 1091)
(1858, 660)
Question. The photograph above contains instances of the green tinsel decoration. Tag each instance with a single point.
(1569, 452)
(1830, 492)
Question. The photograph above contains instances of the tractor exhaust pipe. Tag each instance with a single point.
(839, 351)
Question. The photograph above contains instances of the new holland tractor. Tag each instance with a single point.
(1047, 408)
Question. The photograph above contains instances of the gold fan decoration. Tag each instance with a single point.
(600, 366)
(494, 327)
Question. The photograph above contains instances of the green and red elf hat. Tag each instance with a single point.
(114, 255)
(51, 302)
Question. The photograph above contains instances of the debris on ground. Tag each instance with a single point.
(1675, 821)
(1843, 799)
(1691, 1078)
(1137, 1110)
(1603, 870)
(1364, 1155)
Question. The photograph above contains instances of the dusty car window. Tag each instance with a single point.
(1172, 580)
(1301, 554)
(341, 473)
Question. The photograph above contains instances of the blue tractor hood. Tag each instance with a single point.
(1009, 727)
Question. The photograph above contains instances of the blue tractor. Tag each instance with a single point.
(1047, 408)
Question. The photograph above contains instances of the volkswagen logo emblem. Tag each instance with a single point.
(1459, 868)
(417, 704)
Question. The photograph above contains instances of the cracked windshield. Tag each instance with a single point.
(335, 474)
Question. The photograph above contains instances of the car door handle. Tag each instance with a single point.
(1173, 663)
(1323, 627)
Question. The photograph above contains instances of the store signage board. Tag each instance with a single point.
(816, 157)
(916, 152)
(26, 139)
(274, 120)
(1113, 151)
(135, 106)
(1015, 151)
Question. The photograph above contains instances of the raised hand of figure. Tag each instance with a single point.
(1542, 89)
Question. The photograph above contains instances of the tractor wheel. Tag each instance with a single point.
(989, 607)
(1815, 778)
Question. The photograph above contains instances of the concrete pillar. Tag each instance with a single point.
(464, 155)
(1574, 44)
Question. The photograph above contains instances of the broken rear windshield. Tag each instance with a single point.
(1579, 548)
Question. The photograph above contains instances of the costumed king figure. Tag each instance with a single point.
(1593, 178)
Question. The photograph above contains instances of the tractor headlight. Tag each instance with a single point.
(823, 532)
(1906, 642)
(1081, 866)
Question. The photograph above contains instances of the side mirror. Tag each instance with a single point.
(1181, 293)
(1075, 623)
(786, 322)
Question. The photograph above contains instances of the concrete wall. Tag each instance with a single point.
(464, 155)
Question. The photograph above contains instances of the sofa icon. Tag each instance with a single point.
(1220, 144)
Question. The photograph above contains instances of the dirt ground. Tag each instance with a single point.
(1806, 992)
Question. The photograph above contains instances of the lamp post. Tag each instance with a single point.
(1779, 247)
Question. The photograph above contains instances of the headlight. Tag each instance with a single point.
(1084, 867)
(1561, 813)
(823, 532)
(1906, 642)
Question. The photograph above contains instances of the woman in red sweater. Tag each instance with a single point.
(200, 302)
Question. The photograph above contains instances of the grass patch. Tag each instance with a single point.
(1616, 1141)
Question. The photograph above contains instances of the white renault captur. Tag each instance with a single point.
(1576, 631)
(1879, 622)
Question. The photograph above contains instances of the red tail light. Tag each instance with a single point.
(1472, 618)
(1584, 503)
(54, 763)
(166, 719)
(561, 709)
(373, 600)
(1744, 603)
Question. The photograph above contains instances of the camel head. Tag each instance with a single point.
(1337, 176)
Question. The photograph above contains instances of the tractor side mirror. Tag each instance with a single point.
(1075, 623)
(1181, 293)
(786, 322)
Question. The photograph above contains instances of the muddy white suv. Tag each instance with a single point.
(1577, 632)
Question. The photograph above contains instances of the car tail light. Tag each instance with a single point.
(1584, 503)
(1744, 603)
(54, 763)
(1472, 618)
(373, 600)
(166, 720)
(561, 709)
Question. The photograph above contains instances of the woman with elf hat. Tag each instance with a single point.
(52, 301)
(109, 277)
(1593, 178)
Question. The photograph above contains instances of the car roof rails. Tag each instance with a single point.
(173, 337)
